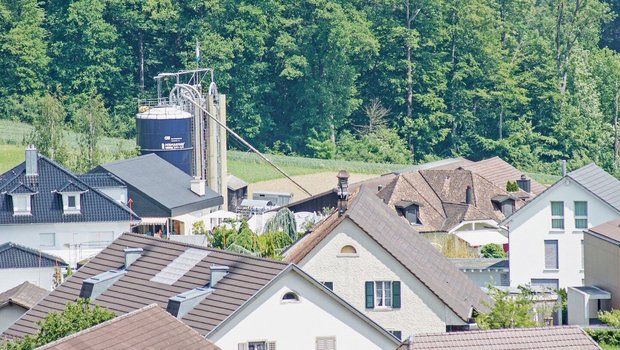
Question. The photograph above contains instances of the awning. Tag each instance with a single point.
(153, 221)
(594, 292)
(480, 238)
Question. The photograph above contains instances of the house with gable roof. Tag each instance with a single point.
(19, 263)
(382, 266)
(235, 301)
(546, 235)
(16, 301)
(45, 207)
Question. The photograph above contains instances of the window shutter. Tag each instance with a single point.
(551, 254)
(271, 345)
(325, 343)
(329, 285)
(396, 295)
(242, 346)
(370, 295)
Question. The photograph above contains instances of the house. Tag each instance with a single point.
(224, 296)
(16, 301)
(237, 191)
(458, 202)
(19, 263)
(164, 196)
(150, 327)
(544, 338)
(601, 264)
(484, 271)
(546, 235)
(46, 207)
(379, 263)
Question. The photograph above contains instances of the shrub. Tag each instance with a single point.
(493, 250)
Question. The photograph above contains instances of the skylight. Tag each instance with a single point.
(180, 266)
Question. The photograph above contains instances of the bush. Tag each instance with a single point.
(511, 186)
(607, 336)
(493, 250)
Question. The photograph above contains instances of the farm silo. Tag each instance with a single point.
(167, 132)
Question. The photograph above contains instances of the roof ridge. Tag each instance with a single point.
(33, 251)
(442, 212)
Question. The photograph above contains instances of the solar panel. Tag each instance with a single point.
(180, 266)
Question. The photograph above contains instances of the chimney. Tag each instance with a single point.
(179, 305)
(131, 255)
(469, 195)
(217, 273)
(563, 167)
(525, 184)
(94, 286)
(379, 188)
(32, 157)
(343, 191)
(197, 186)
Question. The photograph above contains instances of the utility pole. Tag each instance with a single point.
(616, 128)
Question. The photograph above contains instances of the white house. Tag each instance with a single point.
(19, 263)
(378, 263)
(46, 207)
(235, 301)
(546, 235)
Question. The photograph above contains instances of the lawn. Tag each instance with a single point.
(10, 156)
(609, 347)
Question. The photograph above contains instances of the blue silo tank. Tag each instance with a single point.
(167, 132)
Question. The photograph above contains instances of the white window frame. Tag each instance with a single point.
(65, 202)
(383, 298)
(581, 217)
(558, 217)
(22, 204)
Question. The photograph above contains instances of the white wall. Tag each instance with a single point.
(483, 278)
(119, 194)
(296, 325)
(532, 226)
(85, 239)
(9, 314)
(43, 277)
(421, 311)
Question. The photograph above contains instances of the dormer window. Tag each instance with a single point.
(505, 203)
(21, 196)
(410, 210)
(71, 197)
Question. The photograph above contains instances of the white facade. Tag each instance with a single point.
(70, 241)
(531, 226)
(9, 314)
(41, 277)
(298, 324)
(421, 311)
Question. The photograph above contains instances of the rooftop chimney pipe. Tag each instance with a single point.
(32, 157)
(525, 184)
(343, 191)
(131, 255)
(217, 273)
(563, 167)
(198, 186)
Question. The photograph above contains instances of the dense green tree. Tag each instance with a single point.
(90, 119)
(508, 311)
(49, 127)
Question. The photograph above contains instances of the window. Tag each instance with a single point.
(290, 297)
(348, 249)
(412, 213)
(21, 204)
(71, 202)
(551, 254)
(581, 215)
(583, 253)
(551, 283)
(47, 239)
(557, 215)
(382, 294)
(257, 345)
(397, 334)
(329, 285)
(325, 343)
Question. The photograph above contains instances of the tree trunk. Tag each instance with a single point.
(616, 128)
(409, 68)
(141, 43)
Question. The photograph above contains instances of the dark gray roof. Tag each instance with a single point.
(150, 327)
(407, 246)
(25, 295)
(599, 182)
(137, 288)
(15, 256)
(21, 188)
(71, 186)
(481, 264)
(46, 203)
(234, 183)
(162, 183)
(545, 338)
(101, 180)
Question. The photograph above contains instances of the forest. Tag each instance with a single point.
(402, 81)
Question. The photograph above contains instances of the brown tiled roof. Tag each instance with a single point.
(135, 289)
(609, 230)
(547, 338)
(150, 327)
(500, 172)
(404, 243)
(25, 295)
(441, 194)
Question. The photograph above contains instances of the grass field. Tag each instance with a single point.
(245, 165)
